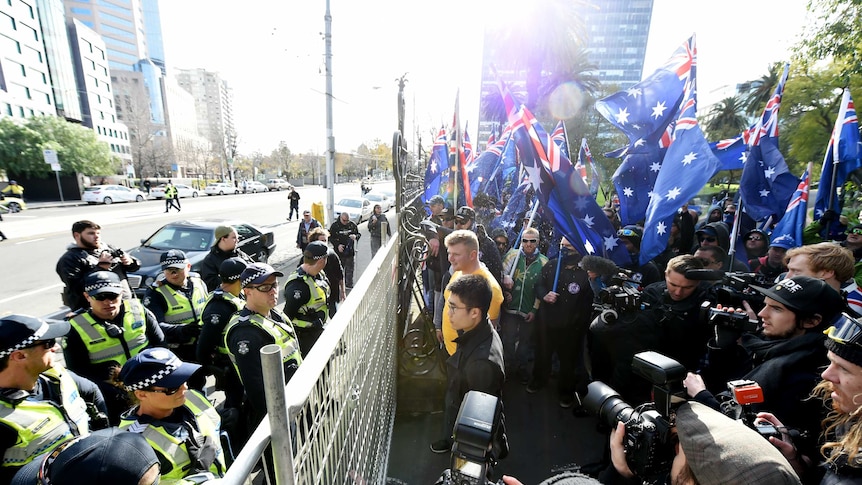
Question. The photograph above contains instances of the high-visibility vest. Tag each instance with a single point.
(101, 347)
(44, 425)
(181, 310)
(319, 290)
(283, 335)
(175, 450)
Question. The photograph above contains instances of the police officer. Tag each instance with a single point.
(220, 307)
(107, 335)
(256, 325)
(42, 404)
(344, 236)
(172, 198)
(179, 423)
(177, 303)
(305, 295)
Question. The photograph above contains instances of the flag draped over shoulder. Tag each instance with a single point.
(792, 224)
(437, 172)
(687, 166)
(842, 157)
(644, 111)
(767, 185)
(566, 198)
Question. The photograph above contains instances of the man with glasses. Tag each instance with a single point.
(177, 301)
(104, 337)
(477, 365)
(756, 243)
(711, 257)
(501, 240)
(784, 356)
(256, 325)
(718, 234)
(465, 218)
(522, 269)
(42, 405)
(306, 224)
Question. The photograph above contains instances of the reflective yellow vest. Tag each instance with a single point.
(101, 347)
(229, 297)
(175, 450)
(44, 425)
(319, 290)
(283, 335)
(181, 310)
(170, 192)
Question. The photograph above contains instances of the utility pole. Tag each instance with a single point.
(330, 137)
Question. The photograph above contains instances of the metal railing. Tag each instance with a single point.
(340, 404)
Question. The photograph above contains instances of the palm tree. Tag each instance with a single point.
(726, 119)
(763, 88)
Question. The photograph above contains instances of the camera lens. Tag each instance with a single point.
(607, 404)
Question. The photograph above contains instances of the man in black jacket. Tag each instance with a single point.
(477, 364)
(226, 239)
(89, 254)
(344, 235)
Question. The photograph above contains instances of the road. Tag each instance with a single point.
(38, 237)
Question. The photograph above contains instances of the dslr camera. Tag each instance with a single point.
(648, 445)
(732, 288)
(728, 325)
(473, 457)
(738, 403)
(621, 297)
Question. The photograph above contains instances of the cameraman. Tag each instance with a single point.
(784, 356)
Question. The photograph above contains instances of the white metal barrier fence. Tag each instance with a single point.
(335, 421)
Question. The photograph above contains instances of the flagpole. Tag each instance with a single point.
(836, 135)
(734, 234)
(518, 241)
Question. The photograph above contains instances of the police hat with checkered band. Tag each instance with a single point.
(103, 282)
(257, 273)
(21, 331)
(316, 250)
(156, 367)
(806, 295)
(173, 258)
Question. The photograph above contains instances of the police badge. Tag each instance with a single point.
(297, 294)
(242, 347)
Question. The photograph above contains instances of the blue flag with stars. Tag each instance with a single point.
(437, 171)
(789, 228)
(767, 185)
(841, 156)
(687, 167)
(634, 180)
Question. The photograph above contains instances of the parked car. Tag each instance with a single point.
(195, 238)
(12, 205)
(278, 184)
(183, 191)
(108, 194)
(379, 198)
(220, 188)
(358, 208)
(253, 186)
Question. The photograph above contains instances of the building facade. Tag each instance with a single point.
(25, 83)
(213, 106)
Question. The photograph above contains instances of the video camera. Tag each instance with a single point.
(478, 422)
(728, 325)
(733, 288)
(622, 296)
(648, 445)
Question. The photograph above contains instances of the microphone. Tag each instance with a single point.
(599, 265)
(705, 274)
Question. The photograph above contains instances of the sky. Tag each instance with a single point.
(271, 52)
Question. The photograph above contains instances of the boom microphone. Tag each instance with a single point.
(599, 265)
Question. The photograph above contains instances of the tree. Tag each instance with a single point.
(836, 33)
(78, 148)
(762, 89)
(726, 119)
(151, 151)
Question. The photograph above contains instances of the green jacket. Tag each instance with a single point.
(525, 279)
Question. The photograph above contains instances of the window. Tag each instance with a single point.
(48, 98)
(81, 11)
(8, 109)
(27, 93)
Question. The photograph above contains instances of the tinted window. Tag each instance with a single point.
(245, 232)
(187, 239)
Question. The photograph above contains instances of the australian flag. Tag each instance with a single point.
(731, 152)
(484, 170)
(644, 111)
(790, 227)
(767, 185)
(687, 167)
(634, 181)
(437, 172)
(841, 156)
(515, 211)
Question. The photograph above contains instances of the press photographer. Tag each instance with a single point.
(672, 441)
(480, 419)
(784, 356)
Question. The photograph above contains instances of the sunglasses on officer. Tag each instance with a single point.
(106, 296)
(47, 344)
(845, 330)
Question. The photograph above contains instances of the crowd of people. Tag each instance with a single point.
(775, 312)
(141, 365)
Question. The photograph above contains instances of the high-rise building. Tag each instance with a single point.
(25, 83)
(617, 32)
(52, 21)
(214, 106)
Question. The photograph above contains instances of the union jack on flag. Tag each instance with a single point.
(790, 227)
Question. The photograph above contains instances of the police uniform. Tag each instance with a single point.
(211, 351)
(306, 297)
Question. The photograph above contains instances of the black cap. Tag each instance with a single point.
(109, 455)
(257, 273)
(103, 282)
(315, 250)
(806, 295)
(20, 331)
(173, 258)
(156, 367)
(231, 269)
(465, 212)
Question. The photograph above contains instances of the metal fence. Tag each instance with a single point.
(335, 423)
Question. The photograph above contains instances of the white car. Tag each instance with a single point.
(108, 194)
(278, 184)
(253, 187)
(220, 188)
(358, 208)
(183, 191)
(379, 198)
